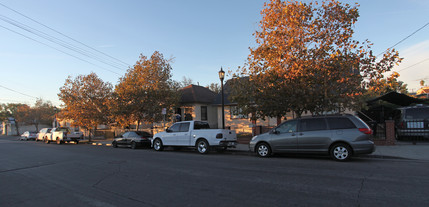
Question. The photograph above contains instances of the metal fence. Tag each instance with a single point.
(379, 131)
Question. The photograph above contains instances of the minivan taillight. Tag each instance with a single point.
(365, 130)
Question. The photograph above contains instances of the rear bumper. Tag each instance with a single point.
(413, 132)
(229, 144)
(363, 147)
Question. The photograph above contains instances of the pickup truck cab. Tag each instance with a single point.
(195, 134)
(61, 135)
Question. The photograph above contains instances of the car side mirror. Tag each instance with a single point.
(168, 130)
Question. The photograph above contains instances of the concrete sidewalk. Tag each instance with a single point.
(402, 150)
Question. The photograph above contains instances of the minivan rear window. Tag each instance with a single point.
(417, 113)
(340, 123)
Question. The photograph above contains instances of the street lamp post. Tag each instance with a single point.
(55, 119)
(221, 77)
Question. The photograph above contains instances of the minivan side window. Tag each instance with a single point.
(287, 127)
(340, 123)
(312, 124)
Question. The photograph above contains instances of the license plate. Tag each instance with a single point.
(415, 125)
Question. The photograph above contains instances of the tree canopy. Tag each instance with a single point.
(85, 100)
(144, 91)
(307, 61)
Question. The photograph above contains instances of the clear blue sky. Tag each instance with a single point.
(201, 35)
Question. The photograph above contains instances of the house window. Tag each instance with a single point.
(203, 113)
(237, 113)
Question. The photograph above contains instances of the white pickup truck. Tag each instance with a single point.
(195, 134)
(61, 135)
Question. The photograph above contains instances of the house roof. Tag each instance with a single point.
(196, 94)
(398, 99)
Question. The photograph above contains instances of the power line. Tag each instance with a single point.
(126, 64)
(18, 92)
(60, 50)
(57, 41)
(405, 38)
(414, 65)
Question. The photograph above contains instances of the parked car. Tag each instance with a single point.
(42, 133)
(195, 134)
(62, 135)
(28, 135)
(133, 139)
(413, 122)
(339, 136)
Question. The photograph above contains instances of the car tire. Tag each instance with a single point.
(157, 145)
(115, 145)
(263, 150)
(77, 142)
(58, 141)
(46, 140)
(202, 146)
(341, 152)
(133, 145)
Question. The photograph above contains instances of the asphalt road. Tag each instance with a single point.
(38, 174)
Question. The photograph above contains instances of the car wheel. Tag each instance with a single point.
(202, 146)
(133, 145)
(47, 141)
(115, 145)
(157, 145)
(59, 141)
(341, 152)
(263, 150)
(77, 142)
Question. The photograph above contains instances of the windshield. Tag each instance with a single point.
(62, 129)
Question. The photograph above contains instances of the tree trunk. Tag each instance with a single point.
(17, 128)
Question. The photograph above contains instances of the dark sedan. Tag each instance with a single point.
(133, 139)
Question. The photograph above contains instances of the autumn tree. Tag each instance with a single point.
(382, 86)
(85, 100)
(307, 61)
(42, 112)
(144, 91)
(17, 111)
(215, 87)
(185, 82)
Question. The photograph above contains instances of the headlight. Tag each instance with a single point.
(253, 138)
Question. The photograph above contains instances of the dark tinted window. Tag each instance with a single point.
(184, 127)
(312, 124)
(201, 125)
(340, 123)
(287, 127)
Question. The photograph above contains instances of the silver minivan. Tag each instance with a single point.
(340, 136)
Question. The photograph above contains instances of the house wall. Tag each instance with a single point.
(242, 125)
(196, 114)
